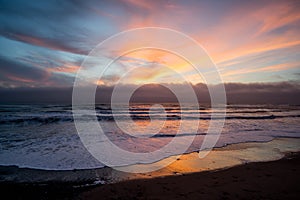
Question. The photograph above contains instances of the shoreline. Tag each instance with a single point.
(277, 179)
(219, 158)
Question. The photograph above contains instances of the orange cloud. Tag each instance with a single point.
(141, 3)
(156, 65)
(272, 68)
(237, 34)
(20, 79)
(246, 31)
(46, 42)
(65, 69)
(285, 14)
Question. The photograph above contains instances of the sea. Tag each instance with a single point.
(44, 136)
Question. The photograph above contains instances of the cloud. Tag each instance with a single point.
(286, 13)
(60, 44)
(17, 72)
(271, 68)
(14, 74)
(247, 40)
(68, 26)
(264, 93)
(65, 69)
(249, 29)
(237, 93)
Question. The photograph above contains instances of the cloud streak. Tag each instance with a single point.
(249, 41)
(17, 72)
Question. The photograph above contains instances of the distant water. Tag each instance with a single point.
(44, 136)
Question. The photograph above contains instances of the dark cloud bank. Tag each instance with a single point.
(237, 93)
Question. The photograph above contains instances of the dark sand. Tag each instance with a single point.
(270, 180)
(265, 180)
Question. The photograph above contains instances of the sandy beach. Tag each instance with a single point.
(239, 171)
(264, 180)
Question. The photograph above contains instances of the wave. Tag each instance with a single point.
(176, 135)
(69, 118)
(41, 120)
(262, 117)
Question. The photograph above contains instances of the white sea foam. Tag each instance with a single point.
(44, 136)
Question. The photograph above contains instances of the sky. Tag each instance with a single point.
(43, 43)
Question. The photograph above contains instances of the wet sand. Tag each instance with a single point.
(266, 180)
(246, 170)
(263, 180)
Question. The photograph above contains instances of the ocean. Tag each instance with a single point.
(44, 136)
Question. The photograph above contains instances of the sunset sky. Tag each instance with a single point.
(44, 42)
